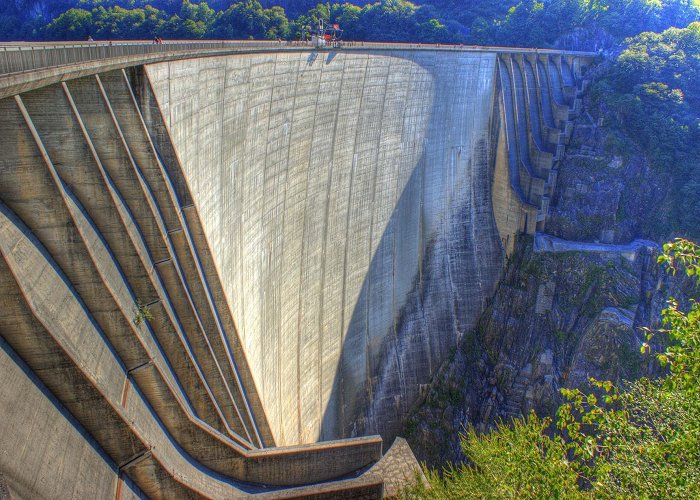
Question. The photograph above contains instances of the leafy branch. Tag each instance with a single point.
(143, 313)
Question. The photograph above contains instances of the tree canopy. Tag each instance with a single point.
(652, 93)
(552, 23)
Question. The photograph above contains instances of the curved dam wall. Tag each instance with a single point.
(346, 201)
(205, 260)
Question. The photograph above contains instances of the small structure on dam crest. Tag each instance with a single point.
(225, 267)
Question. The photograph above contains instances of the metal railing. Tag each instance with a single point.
(23, 57)
(19, 57)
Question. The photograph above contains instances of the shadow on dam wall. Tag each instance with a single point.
(343, 315)
(432, 299)
(457, 269)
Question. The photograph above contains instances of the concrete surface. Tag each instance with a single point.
(549, 243)
(208, 257)
(321, 181)
(325, 182)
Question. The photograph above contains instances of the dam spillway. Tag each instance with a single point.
(261, 249)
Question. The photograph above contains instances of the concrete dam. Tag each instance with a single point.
(228, 267)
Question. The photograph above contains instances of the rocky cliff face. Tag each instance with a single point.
(555, 321)
(603, 196)
(558, 319)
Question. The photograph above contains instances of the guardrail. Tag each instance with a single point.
(23, 57)
(20, 57)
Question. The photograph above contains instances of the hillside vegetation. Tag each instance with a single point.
(649, 98)
(582, 24)
(640, 440)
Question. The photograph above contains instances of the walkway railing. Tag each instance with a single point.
(22, 57)
(19, 57)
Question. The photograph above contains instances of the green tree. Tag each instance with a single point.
(248, 19)
(346, 15)
(524, 25)
(118, 23)
(74, 24)
(513, 461)
(388, 21)
(194, 21)
(641, 441)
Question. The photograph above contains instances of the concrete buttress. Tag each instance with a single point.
(223, 272)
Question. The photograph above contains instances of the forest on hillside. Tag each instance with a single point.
(576, 24)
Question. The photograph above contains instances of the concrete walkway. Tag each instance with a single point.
(548, 243)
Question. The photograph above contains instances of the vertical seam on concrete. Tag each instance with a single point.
(456, 122)
(345, 258)
(278, 361)
(301, 259)
(451, 216)
(476, 158)
(325, 248)
(373, 209)
(474, 148)
(221, 143)
(240, 234)
(420, 248)
(397, 197)
(170, 97)
(263, 303)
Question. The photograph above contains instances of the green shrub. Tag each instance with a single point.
(638, 441)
